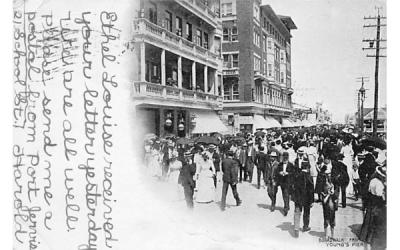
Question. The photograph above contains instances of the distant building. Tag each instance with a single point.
(177, 84)
(257, 80)
(369, 117)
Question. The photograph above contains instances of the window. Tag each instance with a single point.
(265, 67)
(168, 21)
(269, 69)
(205, 44)
(265, 43)
(226, 34)
(235, 60)
(153, 13)
(189, 31)
(265, 23)
(282, 77)
(256, 63)
(178, 26)
(235, 91)
(256, 39)
(226, 60)
(234, 33)
(227, 92)
(269, 45)
(282, 57)
(199, 37)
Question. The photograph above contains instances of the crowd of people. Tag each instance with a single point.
(309, 165)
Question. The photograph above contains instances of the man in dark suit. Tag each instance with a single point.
(250, 160)
(261, 162)
(230, 178)
(302, 194)
(186, 174)
(281, 176)
(340, 179)
(271, 182)
(216, 161)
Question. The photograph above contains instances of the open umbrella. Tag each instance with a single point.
(259, 133)
(207, 140)
(374, 142)
(238, 139)
(185, 141)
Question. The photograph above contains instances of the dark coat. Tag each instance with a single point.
(261, 160)
(230, 169)
(280, 179)
(322, 186)
(340, 177)
(250, 160)
(186, 175)
(216, 160)
(365, 171)
(270, 170)
(302, 187)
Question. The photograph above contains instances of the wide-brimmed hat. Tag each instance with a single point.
(188, 154)
(381, 170)
(301, 150)
(273, 154)
(285, 153)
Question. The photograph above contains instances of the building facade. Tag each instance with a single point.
(256, 49)
(177, 85)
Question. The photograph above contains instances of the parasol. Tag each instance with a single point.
(374, 142)
(207, 140)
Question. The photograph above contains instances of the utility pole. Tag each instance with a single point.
(374, 44)
(361, 99)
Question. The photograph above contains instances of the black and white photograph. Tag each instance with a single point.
(200, 124)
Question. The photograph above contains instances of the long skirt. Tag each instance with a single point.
(205, 188)
(373, 229)
(349, 163)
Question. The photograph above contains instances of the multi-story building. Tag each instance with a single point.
(178, 79)
(256, 45)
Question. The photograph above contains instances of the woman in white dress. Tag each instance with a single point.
(175, 167)
(348, 153)
(205, 172)
(155, 162)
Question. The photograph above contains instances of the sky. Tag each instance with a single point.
(327, 55)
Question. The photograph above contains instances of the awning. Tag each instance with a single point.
(287, 123)
(260, 122)
(207, 122)
(274, 123)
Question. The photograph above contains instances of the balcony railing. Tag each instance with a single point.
(142, 25)
(201, 7)
(153, 90)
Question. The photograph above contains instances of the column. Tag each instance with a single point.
(215, 82)
(222, 87)
(175, 122)
(142, 62)
(194, 75)
(163, 76)
(162, 120)
(180, 72)
(205, 79)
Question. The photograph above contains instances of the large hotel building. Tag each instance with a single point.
(178, 81)
(256, 69)
(208, 66)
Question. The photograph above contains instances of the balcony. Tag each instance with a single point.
(200, 9)
(143, 27)
(230, 72)
(157, 94)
